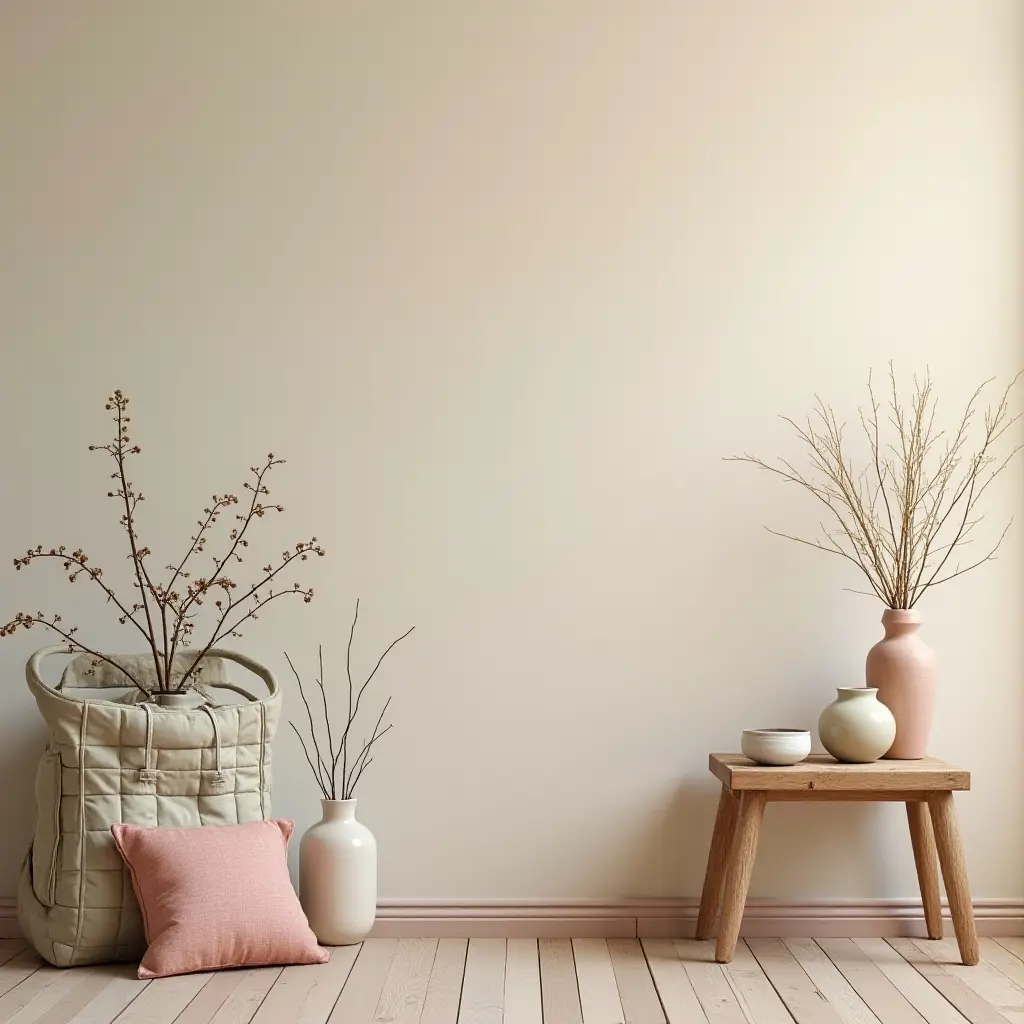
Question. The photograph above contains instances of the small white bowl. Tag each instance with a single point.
(776, 746)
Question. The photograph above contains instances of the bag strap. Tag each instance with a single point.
(38, 685)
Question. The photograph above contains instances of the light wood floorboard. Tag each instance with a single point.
(444, 990)
(599, 994)
(802, 997)
(673, 984)
(964, 998)
(986, 980)
(522, 983)
(886, 1001)
(483, 987)
(710, 982)
(754, 990)
(550, 981)
(639, 997)
(928, 1002)
(405, 988)
(830, 982)
(560, 992)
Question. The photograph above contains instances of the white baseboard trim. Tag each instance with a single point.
(652, 918)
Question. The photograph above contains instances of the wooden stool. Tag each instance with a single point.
(925, 786)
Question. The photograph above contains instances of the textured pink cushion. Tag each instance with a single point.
(217, 896)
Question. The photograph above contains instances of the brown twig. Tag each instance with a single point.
(170, 618)
(328, 780)
(901, 517)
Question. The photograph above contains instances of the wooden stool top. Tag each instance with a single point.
(821, 773)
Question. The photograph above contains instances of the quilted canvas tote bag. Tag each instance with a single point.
(133, 761)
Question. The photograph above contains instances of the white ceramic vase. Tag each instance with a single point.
(856, 727)
(179, 700)
(338, 875)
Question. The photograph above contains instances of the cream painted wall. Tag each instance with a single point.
(504, 282)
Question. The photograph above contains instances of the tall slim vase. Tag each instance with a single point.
(905, 671)
(338, 875)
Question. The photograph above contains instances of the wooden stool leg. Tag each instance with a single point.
(718, 857)
(922, 838)
(954, 873)
(741, 866)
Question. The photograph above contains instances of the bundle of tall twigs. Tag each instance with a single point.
(904, 507)
(166, 614)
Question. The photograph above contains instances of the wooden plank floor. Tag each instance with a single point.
(553, 981)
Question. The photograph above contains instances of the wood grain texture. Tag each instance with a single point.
(821, 772)
(522, 983)
(885, 1000)
(306, 993)
(203, 1008)
(405, 988)
(1002, 960)
(926, 861)
(232, 997)
(10, 948)
(992, 985)
(164, 999)
(964, 998)
(741, 867)
(802, 997)
(21, 966)
(718, 860)
(483, 987)
(710, 982)
(560, 994)
(637, 994)
(61, 1006)
(754, 990)
(624, 981)
(954, 873)
(365, 982)
(674, 987)
(832, 796)
(125, 986)
(37, 993)
(928, 1002)
(444, 990)
(599, 994)
(1013, 944)
(830, 982)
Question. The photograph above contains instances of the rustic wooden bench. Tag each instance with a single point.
(925, 786)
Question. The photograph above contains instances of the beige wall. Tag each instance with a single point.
(504, 282)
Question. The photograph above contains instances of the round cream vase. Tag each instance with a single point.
(857, 727)
(776, 746)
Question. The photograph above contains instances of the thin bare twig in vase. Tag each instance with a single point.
(325, 770)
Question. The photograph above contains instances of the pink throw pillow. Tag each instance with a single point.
(216, 896)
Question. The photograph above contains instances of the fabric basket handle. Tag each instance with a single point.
(36, 682)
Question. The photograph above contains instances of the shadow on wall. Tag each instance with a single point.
(19, 757)
(830, 848)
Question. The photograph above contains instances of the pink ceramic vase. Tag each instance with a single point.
(905, 671)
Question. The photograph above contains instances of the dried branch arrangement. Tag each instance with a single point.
(340, 756)
(905, 506)
(167, 614)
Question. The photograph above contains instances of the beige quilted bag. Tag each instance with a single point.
(111, 760)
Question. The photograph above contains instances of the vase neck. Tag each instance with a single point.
(856, 692)
(338, 810)
(900, 622)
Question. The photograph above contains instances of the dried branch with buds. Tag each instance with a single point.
(914, 502)
(326, 768)
(167, 614)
